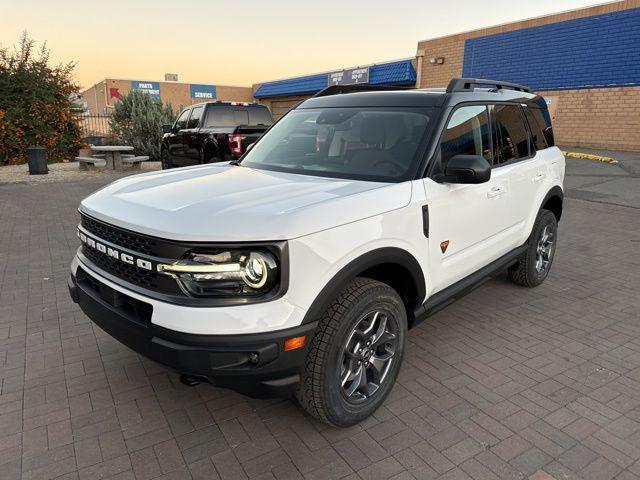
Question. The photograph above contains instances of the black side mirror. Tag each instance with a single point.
(466, 169)
(167, 128)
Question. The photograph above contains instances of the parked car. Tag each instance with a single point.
(213, 132)
(300, 268)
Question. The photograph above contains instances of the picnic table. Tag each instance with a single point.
(112, 154)
(113, 157)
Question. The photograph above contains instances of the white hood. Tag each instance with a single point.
(232, 203)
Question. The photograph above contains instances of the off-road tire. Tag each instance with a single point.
(524, 273)
(319, 391)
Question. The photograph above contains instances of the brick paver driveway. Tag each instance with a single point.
(507, 383)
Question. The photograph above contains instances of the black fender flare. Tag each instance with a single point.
(362, 263)
(212, 145)
(555, 191)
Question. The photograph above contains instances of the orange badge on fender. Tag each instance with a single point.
(444, 245)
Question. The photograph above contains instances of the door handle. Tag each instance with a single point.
(538, 177)
(496, 192)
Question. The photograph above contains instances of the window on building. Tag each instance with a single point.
(512, 135)
(182, 120)
(467, 133)
(194, 119)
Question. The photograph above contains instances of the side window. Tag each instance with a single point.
(182, 120)
(511, 134)
(467, 133)
(544, 122)
(194, 119)
(539, 140)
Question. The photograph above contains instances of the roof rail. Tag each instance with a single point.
(363, 87)
(466, 85)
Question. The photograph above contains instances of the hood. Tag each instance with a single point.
(220, 202)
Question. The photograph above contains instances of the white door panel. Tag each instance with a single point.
(474, 220)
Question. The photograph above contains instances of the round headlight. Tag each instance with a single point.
(256, 271)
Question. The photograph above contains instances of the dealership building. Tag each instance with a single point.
(586, 63)
(282, 95)
(100, 98)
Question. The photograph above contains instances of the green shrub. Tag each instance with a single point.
(137, 119)
(36, 106)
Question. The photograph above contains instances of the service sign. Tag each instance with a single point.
(203, 92)
(150, 88)
(350, 76)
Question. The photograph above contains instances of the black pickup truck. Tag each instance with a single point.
(213, 132)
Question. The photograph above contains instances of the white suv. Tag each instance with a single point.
(299, 268)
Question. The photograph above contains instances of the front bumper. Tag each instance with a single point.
(253, 364)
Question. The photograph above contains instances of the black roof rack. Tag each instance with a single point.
(363, 87)
(466, 85)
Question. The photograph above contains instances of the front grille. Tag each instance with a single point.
(130, 273)
(139, 310)
(118, 236)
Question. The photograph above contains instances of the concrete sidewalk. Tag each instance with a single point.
(602, 182)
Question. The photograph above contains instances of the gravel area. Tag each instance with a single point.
(65, 172)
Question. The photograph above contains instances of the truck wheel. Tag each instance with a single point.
(355, 355)
(165, 161)
(534, 264)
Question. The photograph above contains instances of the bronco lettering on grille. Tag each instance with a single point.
(114, 253)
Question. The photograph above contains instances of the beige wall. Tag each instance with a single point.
(591, 118)
(177, 94)
(281, 105)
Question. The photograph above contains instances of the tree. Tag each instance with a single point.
(36, 104)
(137, 120)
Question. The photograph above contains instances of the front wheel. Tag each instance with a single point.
(355, 355)
(534, 264)
(165, 160)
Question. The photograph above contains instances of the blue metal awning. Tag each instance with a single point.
(394, 73)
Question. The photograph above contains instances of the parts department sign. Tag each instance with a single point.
(150, 88)
(351, 76)
(203, 92)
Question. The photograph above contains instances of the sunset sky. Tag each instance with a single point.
(240, 43)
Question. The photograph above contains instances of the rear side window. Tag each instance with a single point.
(467, 133)
(511, 134)
(182, 120)
(194, 119)
(537, 135)
(543, 120)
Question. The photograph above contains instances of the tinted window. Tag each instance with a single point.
(233, 115)
(240, 117)
(194, 119)
(512, 135)
(182, 119)
(537, 135)
(364, 143)
(541, 115)
(467, 133)
(260, 116)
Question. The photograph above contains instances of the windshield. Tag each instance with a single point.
(372, 143)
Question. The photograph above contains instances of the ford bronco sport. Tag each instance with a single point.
(300, 268)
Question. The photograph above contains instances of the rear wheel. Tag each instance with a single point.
(534, 264)
(355, 355)
(165, 160)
